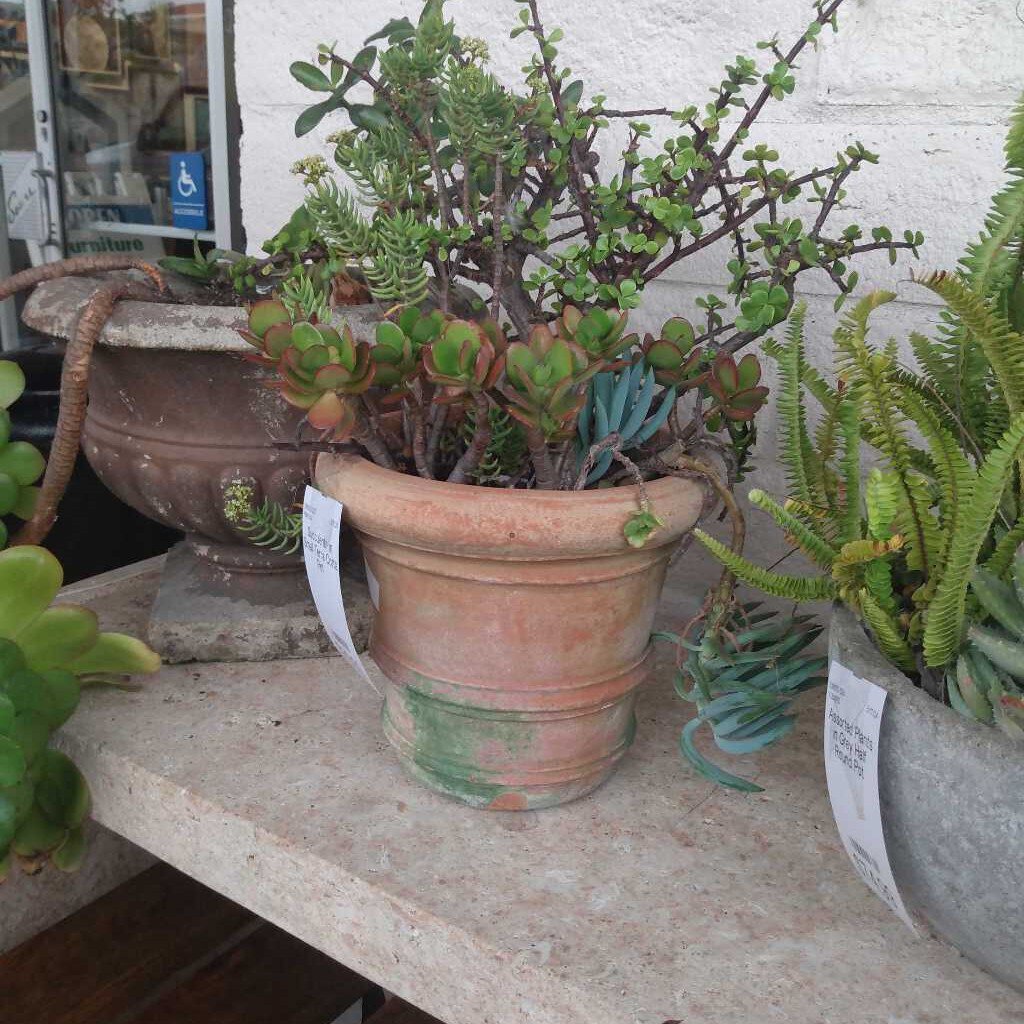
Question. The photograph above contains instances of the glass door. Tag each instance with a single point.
(133, 97)
(29, 234)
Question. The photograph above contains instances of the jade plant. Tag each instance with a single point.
(455, 177)
(48, 654)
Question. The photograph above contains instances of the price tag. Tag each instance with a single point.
(853, 721)
(321, 544)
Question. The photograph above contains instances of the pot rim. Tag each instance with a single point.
(475, 521)
(54, 306)
(861, 656)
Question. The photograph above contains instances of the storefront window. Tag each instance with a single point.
(131, 86)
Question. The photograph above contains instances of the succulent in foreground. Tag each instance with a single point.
(47, 655)
(21, 464)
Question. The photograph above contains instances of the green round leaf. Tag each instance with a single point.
(29, 580)
(12, 382)
(7, 714)
(13, 763)
(310, 76)
(68, 856)
(11, 658)
(61, 790)
(58, 636)
(9, 491)
(27, 691)
(8, 820)
(31, 731)
(38, 835)
(22, 461)
(28, 498)
(65, 692)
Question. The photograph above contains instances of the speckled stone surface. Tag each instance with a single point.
(659, 897)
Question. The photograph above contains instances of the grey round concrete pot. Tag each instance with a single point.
(952, 797)
(175, 416)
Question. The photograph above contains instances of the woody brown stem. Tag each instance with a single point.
(543, 468)
(477, 447)
(74, 266)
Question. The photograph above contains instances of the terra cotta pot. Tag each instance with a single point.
(513, 626)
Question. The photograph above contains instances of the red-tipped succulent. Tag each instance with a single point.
(545, 382)
(673, 357)
(465, 359)
(735, 387)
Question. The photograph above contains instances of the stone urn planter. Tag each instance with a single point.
(175, 416)
(513, 626)
(952, 797)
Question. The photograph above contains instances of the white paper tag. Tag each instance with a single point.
(321, 547)
(373, 584)
(853, 721)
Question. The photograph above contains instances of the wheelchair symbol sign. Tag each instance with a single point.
(188, 191)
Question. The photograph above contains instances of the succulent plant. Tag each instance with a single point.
(673, 356)
(545, 380)
(398, 346)
(47, 654)
(735, 388)
(21, 464)
(465, 358)
(599, 333)
(621, 404)
(318, 366)
(987, 681)
(743, 670)
(268, 524)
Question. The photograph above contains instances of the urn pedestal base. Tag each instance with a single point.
(206, 613)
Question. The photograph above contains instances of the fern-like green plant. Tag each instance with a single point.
(900, 546)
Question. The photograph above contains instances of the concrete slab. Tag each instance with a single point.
(659, 897)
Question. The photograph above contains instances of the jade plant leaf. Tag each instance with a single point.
(12, 383)
(29, 580)
(58, 636)
(116, 654)
(61, 790)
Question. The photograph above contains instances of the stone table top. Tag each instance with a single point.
(658, 897)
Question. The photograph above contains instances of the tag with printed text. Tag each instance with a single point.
(321, 546)
(853, 722)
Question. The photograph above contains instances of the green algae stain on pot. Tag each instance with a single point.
(454, 745)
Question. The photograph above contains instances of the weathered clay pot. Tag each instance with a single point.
(513, 626)
(175, 415)
(952, 798)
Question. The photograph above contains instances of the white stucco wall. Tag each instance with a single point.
(927, 86)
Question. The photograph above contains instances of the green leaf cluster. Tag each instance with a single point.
(47, 654)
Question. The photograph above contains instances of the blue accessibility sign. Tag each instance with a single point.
(188, 191)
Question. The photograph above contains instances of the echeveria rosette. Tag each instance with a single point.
(47, 653)
(673, 356)
(398, 348)
(735, 388)
(545, 381)
(601, 335)
(465, 359)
